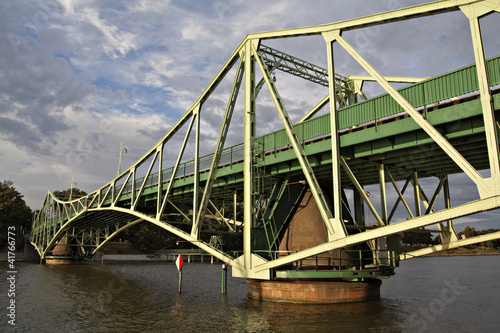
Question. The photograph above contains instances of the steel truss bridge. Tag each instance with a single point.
(429, 129)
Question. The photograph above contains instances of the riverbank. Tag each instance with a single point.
(461, 251)
(25, 252)
(125, 252)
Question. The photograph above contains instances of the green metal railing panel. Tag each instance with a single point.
(493, 65)
(450, 84)
(384, 107)
(299, 129)
(317, 126)
(445, 86)
(415, 94)
(459, 82)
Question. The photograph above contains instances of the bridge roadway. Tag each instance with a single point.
(372, 131)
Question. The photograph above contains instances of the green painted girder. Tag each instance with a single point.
(381, 141)
(379, 136)
(465, 143)
(398, 141)
(369, 141)
(406, 145)
(409, 140)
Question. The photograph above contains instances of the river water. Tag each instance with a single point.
(436, 294)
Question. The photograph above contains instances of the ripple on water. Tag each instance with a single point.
(144, 297)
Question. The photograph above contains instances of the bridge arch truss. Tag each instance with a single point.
(419, 131)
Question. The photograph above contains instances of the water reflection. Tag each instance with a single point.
(145, 298)
(289, 317)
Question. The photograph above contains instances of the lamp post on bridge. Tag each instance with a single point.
(123, 149)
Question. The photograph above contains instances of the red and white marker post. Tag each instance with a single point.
(179, 264)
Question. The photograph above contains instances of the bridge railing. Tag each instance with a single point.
(347, 260)
(230, 155)
(339, 260)
(440, 88)
(443, 87)
(452, 84)
(197, 251)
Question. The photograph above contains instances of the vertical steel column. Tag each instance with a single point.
(447, 204)
(132, 194)
(235, 202)
(113, 183)
(196, 184)
(473, 12)
(359, 208)
(340, 230)
(446, 190)
(383, 194)
(160, 183)
(249, 134)
(416, 193)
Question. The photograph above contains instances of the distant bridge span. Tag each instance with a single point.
(430, 129)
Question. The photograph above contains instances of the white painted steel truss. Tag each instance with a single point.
(120, 199)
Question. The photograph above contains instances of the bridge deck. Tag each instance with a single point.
(432, 128)
(370, 131)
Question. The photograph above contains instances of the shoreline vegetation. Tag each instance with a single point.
(466, 252)
(413, 240)
(461, 251)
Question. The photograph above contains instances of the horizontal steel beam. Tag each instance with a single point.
(422, 221)
(450, 245)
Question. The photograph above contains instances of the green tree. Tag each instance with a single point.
(13, 210)
(415, 237)
(149, 238)
(74, 192)
(468, 232)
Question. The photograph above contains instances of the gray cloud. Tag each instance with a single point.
(77, 78)
(19, 133)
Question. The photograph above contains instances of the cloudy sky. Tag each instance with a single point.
(79, 77)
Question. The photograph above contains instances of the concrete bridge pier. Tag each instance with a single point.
(327, 291)
(62, 254)
(329, 277)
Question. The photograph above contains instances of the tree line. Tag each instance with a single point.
(144, 237)
(13, 211)
(148, 237)
(423, 237)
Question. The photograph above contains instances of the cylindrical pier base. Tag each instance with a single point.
(313, 291)
(62, 261)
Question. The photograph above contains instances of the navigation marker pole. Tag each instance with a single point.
(224, 279)
(179, 264)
